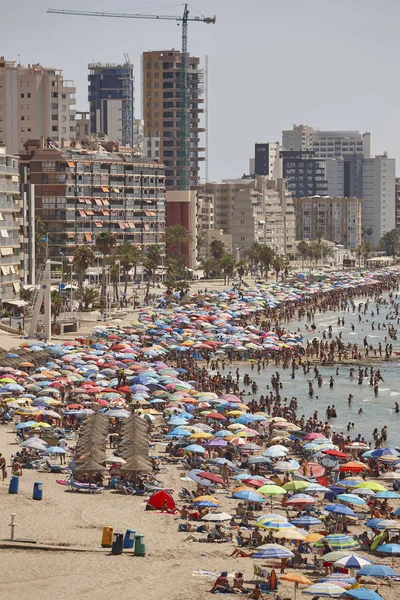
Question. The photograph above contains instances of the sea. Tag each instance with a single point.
(377, 412)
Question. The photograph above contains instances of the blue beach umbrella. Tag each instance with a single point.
(249, 496)
(340, 509)
(393, 549)
(377, 571)
(306, 521)
(195, 448)
(387, 494)
(351, 499)
(362, 594)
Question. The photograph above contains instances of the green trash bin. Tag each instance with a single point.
(140, 547)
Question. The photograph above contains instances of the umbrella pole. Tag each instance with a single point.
(295, 590)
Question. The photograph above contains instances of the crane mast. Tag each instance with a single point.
(184, 161)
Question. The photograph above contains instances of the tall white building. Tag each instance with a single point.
(10, 224)
(378, 196)
(35, 102)
(326, 144)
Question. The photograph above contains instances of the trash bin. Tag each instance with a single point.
(37, 490)
(129, 539)
(107, 538)
(140, 547)
(118, 543)
(14, 483)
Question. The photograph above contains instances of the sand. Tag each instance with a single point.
(78, 519)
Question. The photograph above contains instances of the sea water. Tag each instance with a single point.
(377, 411)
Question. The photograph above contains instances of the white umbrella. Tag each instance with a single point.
(352, 561)
(115, 460)
(217, 517)
(34, 444)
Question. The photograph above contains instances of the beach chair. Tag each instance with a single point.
(259, 573)
(47, 467)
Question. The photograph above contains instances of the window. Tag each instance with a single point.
(54, 95)
(22, 95)
(54, 128)
(28, 95)
(54, 105)
(22, 118)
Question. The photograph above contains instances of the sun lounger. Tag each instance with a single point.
(76, 486)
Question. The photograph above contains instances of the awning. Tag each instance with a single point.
(6, 251)
(105, 188)
(81, 200)
(12, 269)
(88, 201)
(1, 217)
(98, 202)
(70, 163)
(70, 234)
(82, 213)
(121, 225)
(116, 190)
(5, 269)
(146, 227)
(19, 303)
(88, 237)
(4, 233)
(106, 202)
(87, 163)
(131, 224)
(89, 212)
(106, 213)
(99, 224)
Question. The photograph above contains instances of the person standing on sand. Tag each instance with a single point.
(3, 467)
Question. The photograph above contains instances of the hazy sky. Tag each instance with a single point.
(332, 65)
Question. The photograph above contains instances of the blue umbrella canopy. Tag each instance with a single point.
(377, 571)
(363, 594)
(248, 496)
(274, 552)
(195, 448)
(340, 509)
(389, 548)
(306, 520)
(387, 494)
(351, 499)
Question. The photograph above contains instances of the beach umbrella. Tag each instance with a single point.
(363, 594)
(277, 551)
(393, 549)
(213, 477)
(306, 521)
(206, 498)
(114, 460)
(55, 450)
(354, 466)
(276, 452)
(351, 499)
(195, 448)
(313, 537)
(296, 485)
(335, 555)
(352, 561)
(287, 465)
(271, 489)
(334, 453)
(248, 496)
(323, 589)
(26, 425)
(290, 533)
(371, 485)
(34, 444)
(377, 571)
(339, 542)
(340, 509)
(273, 525)
(216, 517)
(297, 579)
(300, 499)
(387, 494)
(384, 452)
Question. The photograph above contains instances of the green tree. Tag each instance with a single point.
(105, 243)
(227, 265)
(278, 265)
(217, 249)
(390, 242)
(303, 250)
(175, 236)
(115, 276)
(129, 256)
(253, 254)
(41, 237)
(26, 294)
(83, 258)
(57, 303)
(87, 296)
(266, 257)
(149, 269)
(210, 267)
(182, 286)
(367, 231)
(241, 269)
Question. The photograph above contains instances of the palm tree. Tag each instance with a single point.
(83, 258)
(124, 252)
(41, 238)
(266, 257)
(182, 287)
(359, 253)
(175, 236)
(209, 266)
(26, 294)
(303, 249)
(149, 269)
(253, 254)
(114, 278)
(390, 242)
(277, 265)
(241, 269)
(105, 243)
(217, 249)
(57, 303)
(285, 267)
(87, 296)
(227, 264)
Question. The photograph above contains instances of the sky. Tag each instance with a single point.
(331, 65)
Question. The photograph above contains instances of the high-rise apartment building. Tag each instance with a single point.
(378, 196)
(111, 101)
(35, 102)
(162, 98)
(397, 201)
(79, 194)
(337, 219)
(326, 144)
(11, 259)
(265, 156)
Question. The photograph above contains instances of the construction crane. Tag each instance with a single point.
(185, 110)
